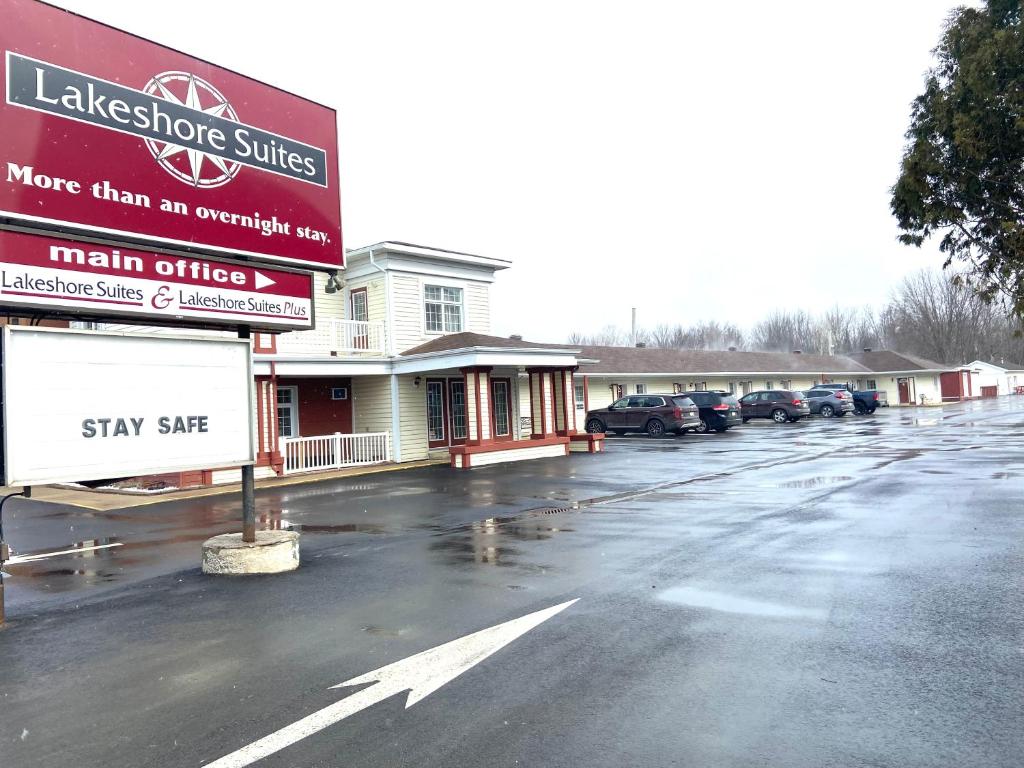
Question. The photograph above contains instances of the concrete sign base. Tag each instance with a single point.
(272, 552)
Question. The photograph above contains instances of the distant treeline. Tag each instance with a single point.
(931, 314)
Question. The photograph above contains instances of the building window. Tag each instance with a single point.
(442, 309)
(641, 389)
(872, 384)
(360, 311)
(786, 384)
(768, 384)
(580, 395)
(732, 387)
(287, 411)
(502, 424)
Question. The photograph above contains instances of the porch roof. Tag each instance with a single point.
(463, 350)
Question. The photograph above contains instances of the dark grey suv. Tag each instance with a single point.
(779, 405)
(653, 414)
(830, 402)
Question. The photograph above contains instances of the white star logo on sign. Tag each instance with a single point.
(168, 154)
(420, 674)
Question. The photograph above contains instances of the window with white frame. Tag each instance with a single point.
(579, 395)
(287, 411)
(641, 389)
(442, 308)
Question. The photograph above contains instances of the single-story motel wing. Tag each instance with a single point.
(402, 367)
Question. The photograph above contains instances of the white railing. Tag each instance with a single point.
(355, 336)
(314, 454)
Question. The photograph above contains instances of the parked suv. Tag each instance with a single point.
(864, 400)
(653, 414)
(718, 410)
(830, 402)
(779, 405)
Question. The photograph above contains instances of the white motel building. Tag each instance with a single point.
(402, 367)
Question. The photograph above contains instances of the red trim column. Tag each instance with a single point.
(262, 385)
(276, 460)
(478, 423)
(544, 409)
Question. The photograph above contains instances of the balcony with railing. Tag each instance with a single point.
(336, 338)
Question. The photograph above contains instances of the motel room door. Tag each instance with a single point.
(580, 398)
(446, 412)
(905, 396)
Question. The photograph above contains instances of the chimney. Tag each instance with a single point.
(641, 345)
(798, 351)
(867, 349)
(516, 337)
(732, 349)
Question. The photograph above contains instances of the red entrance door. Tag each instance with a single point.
(904, 385)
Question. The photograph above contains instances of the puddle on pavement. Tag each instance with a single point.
(67, 571)
(488, 542)
(719, 601)
(815, 482)
(371, 528)
(383, 631)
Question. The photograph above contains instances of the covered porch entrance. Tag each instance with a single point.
(499, 399)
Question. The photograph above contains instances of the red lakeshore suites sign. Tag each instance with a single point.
(105, 132)
(45, 273)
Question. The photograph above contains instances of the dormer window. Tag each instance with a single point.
(442, 308)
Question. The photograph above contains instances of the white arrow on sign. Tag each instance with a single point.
(262, 281)
(421, 675)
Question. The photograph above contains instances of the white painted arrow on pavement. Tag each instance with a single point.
(421, 675)
(262, 281)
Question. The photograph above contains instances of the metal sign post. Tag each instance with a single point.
(248, 481)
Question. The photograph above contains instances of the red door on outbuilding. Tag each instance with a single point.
(989, 391)
(952, 384)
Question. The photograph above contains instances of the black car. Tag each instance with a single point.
(719, 410)
(653, 414)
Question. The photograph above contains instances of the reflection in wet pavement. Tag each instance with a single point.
(719, 601)
(814, 482)
(343, 528)
(486, 542)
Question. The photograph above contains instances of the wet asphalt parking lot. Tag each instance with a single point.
(830, 593)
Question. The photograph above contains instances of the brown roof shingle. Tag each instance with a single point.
(466, 340)
(656, 360)
(887, 360)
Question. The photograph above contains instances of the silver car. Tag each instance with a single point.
(830, 402)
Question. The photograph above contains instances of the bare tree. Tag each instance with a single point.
(935, 315)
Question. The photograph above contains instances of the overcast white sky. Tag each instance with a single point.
(696, 160)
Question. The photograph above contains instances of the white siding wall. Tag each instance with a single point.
(478, 307)
(407, 312)
(371, 404)
(407, 295)
(413, 417)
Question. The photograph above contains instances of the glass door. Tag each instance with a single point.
(457, 409)
(501, 408)
(436, 435)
